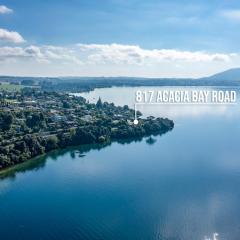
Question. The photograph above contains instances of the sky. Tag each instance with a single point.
(154, 38)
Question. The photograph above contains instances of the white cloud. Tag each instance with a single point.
(5, 10)
(10, 36)
(100, 54)
(112, 60)
(232, 14)
(131, 54)
(46, 54)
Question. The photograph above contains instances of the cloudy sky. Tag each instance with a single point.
(154, 38)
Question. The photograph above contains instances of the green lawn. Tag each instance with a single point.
(10, 87)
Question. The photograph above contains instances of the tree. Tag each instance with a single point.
(21, 146)
(51, 143)
(99, 103)
(28, 82)
(83, 136)
(35, 120)
(64, 139)
(4, 161)
(6, 120)
(34, 145)
(66, 104)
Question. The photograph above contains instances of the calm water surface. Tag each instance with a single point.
(185, 186)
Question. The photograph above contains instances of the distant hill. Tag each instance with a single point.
(229, 75)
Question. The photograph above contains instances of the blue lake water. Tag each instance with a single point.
(185, 186)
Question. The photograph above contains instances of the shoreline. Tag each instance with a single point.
(162, 130)
(14, 168)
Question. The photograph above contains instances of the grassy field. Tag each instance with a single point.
(10, 87)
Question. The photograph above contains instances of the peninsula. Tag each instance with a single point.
(33, 122)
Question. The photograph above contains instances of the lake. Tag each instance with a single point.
(184, 185)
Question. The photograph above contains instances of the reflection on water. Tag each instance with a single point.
(76, 151)
(151, 140)
(180, 186)
(215, 237)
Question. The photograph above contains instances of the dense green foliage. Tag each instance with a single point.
(6, 119)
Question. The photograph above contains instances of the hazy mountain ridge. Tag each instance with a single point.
(230, 77)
